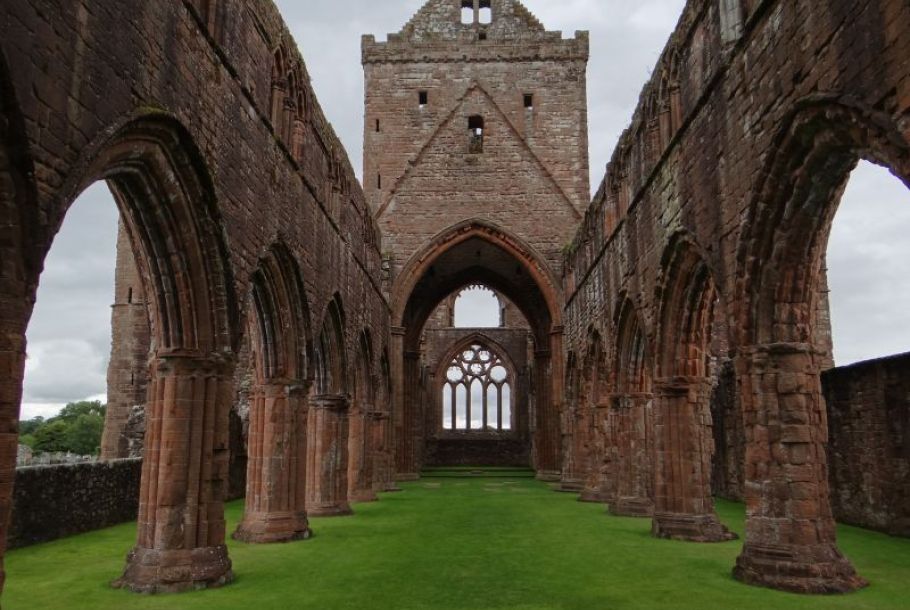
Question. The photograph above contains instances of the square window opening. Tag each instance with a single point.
(423, 98)
(529, 101)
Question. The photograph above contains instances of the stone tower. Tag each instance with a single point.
(127, 373)
(476, 169)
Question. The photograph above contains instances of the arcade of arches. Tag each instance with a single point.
(657, 346)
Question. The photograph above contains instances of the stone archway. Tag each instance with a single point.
(166, 200)
(328, 422)
(684, 445)
(790, 533)
(275, 509)
(469, 253)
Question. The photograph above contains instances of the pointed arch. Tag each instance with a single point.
(281, 317)
(687, 298)
(632, 361)
(330, 357)
(785, 235)
(275, 493)
(781, 250)
(547, 309)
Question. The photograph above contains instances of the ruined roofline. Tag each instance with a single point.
(472, 51)
(627, 175)
(439, 32)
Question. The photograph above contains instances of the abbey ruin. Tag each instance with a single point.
(281, 324)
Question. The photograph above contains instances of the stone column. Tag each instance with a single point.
(598, 482)
(407, 468)
(631, 426)
(275, 508)
(384, 461)
(360, 452)
(790, 531)
(547, 431)
(684, 447)
(12, 369)
(572, 479)
(180, 543)
(327, 456)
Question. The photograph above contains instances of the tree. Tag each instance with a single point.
(30, 425)
(74, 410)
(76, 429)
(51, 437)
(83, 435)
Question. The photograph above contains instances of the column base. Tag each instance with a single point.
(594, 495)
(632, 507)
(548, 476)
(364, 495)
(407, 476)
(390, 487)
(690, 528)
(798, 569)
(330, 511)
(272, 528)
(571, 485)
(175, 571)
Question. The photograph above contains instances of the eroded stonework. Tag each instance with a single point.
(676, 345)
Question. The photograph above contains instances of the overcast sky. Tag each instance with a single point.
(69, 337)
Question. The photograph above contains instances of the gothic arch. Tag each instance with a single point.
(280, 318)
(330, 354)
(327, 487)
(166, 199)
(632, 353)
(363, 410)
(500, 356)
(631, 416)
(785, 235)
(529, 260)
(778, 272)
(687, 298)
(275, 492)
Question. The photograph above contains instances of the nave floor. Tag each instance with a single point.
(457, 542)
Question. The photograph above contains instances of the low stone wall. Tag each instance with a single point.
(869, 443)
(477, 452)
(52, 502)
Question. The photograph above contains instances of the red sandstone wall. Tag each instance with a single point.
(869, 443)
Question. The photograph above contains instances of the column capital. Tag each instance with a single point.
(678, 385)
(194, 362)
(559, 329)
(397, 331)
(332, 402)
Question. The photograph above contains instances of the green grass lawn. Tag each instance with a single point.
(473, 542)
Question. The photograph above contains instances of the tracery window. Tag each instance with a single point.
(477, 392)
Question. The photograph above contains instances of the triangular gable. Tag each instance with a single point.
(513, 133)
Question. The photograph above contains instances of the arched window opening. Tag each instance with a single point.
(475, 134)
(867, 260)
(467, 12)
(731, 20)
(485, 14)
(476, 392)
(478, 307)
